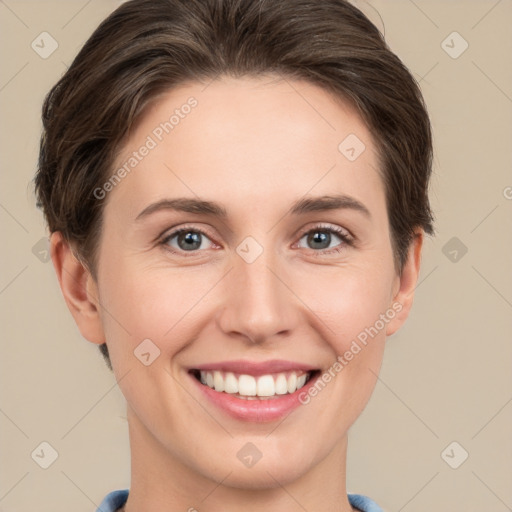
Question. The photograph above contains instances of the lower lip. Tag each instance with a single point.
(255, 410)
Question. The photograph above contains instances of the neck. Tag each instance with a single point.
(162, 481)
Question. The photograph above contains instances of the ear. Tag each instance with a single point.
(405, 285)
(79, 289)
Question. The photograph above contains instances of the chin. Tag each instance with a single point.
(273, 474)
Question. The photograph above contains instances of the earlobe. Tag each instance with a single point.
(78, 288)
(403, 298)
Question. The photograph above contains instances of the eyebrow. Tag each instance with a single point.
(300, 207)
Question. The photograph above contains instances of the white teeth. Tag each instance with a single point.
(292, 383)
(266, 386)
(281, 384)
(247, 385)
(218, 381)
(250, 387)
(230, 383)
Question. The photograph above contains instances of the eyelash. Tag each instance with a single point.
(347, 239)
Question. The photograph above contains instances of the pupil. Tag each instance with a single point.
(320, 237)
(192, 240)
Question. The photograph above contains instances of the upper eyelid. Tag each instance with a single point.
(327, 227)
(172, 232)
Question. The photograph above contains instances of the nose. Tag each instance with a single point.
(259, 305)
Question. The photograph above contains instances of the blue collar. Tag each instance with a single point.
(117, 499)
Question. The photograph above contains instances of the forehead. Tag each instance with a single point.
(248, 138)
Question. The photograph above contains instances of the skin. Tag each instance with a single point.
(255, 145)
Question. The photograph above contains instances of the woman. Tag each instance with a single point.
(237, 193)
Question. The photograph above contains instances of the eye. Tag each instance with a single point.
(192, 239)
(185, 239)
(320, 238)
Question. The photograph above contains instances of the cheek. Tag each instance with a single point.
(356, 336)
(349, 302)
(354, 309)
(159, 304)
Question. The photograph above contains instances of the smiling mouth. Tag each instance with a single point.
(249, 387)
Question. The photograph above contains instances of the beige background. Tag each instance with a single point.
(446, 375)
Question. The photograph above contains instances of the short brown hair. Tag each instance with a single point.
(146, 47)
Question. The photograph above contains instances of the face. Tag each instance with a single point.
(261, 288)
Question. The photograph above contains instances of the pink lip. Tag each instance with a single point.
(255, 368)
(259, 411)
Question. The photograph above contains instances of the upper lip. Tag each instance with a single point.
(255, 368)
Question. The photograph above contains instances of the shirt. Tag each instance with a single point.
(117, 499)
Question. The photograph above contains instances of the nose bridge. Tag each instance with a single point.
(258, 304)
